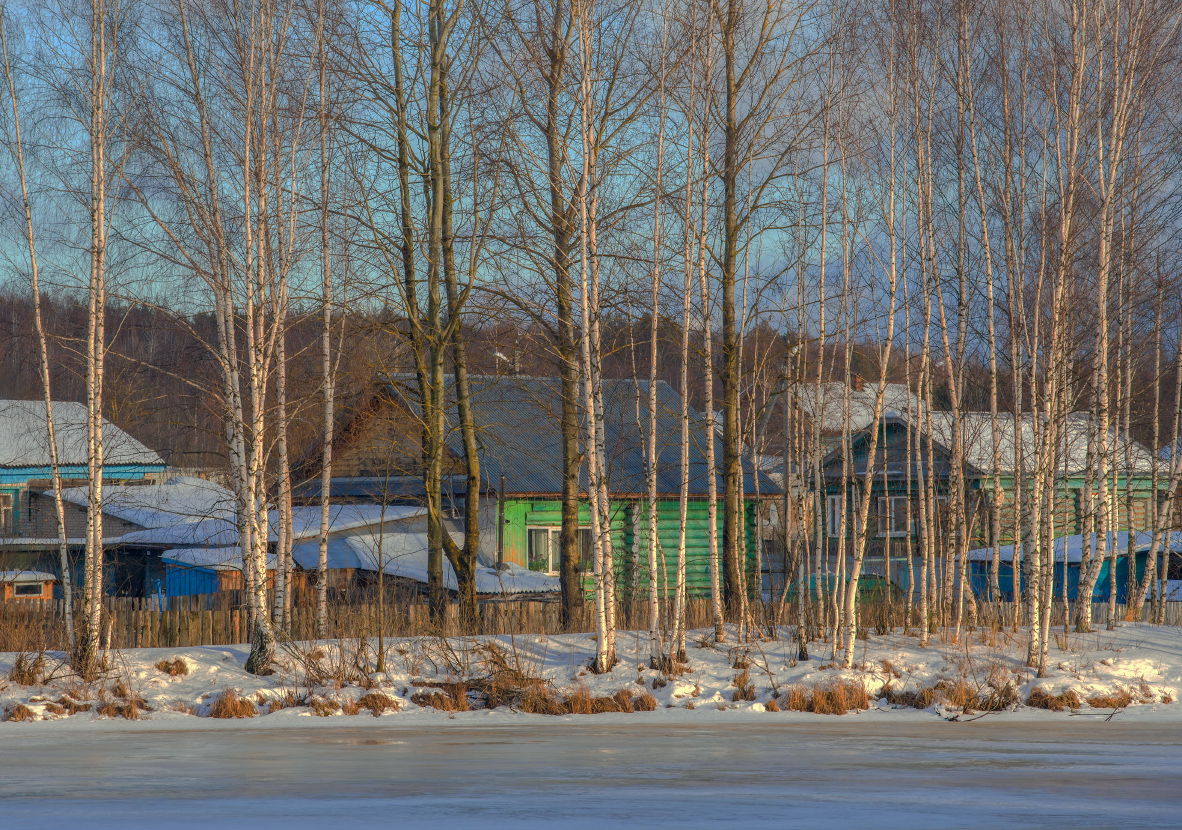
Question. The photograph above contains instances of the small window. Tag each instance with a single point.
(545, 548)
(833, 514)
(27, 589)
(6, 514)
(893, 516)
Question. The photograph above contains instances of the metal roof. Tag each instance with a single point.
(24, 440)
(518, 423)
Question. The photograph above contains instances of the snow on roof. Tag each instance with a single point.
(221, 532)
(825, 403)
(24, 440)
(26, 577)
(215, 559)
(1072, 546)
(404, 554)
(977, 429)
(180, 499)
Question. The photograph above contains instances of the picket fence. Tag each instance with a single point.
(197, 621)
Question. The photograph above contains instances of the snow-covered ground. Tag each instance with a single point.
(1140, 663)
(699, 759)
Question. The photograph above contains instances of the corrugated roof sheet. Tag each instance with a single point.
(519, 432)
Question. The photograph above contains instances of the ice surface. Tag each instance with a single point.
(828, 774)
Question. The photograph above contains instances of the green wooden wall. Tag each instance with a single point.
(629, 529)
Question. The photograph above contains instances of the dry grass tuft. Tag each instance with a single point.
(28, 669)
(323, 707)
(1114, 700)
(18, 712)
(831, 698)
(772, 706)
(55, 709)
(230, 705)
(539, 700)
(71, 706)
(119, 709)
(350, 707)
(1040, 698)
(744, 688)
(1166, 697)
(181, 706)
(453, 697)
(645, 702)
(377, 703)
(579, 702)
(174, 668)
(286, 699)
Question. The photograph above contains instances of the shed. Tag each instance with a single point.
(27, 585)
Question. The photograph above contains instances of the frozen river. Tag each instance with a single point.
(830, 773)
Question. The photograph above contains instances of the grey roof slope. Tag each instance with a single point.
(519, 432)
(825, 403)
(978, 437)
(24, 439)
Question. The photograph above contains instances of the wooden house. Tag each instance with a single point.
(519, 435)
(908, 458)
(26, 586)
(28, 518)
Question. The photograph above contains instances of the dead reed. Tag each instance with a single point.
(229, 704)
(28, 669)
(833, 697)
(1040, 698)
(377, 703)
(18, 712)
(176, 667)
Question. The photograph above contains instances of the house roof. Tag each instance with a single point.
(824, 403)
(977, 430)
(519, 435)
(221, 532)
(1071, 547)
(24, 577)
(24, 438)
(178, 500)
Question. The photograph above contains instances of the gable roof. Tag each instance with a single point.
(179, 500)
(977, 431)
(518, 423)
(824, 403)
(24, 438)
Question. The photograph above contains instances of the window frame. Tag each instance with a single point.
(19, 589)
(554, 546)
(886, 519)
(7, 514)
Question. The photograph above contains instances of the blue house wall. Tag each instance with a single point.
(979, 573)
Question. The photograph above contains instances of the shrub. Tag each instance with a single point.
(230, 705)
(1040, 698)
(174, 668)
(28, 669)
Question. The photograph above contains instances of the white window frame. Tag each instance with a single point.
(28, 589)
(833, 515)
(553, 545)
(889, 509)
(6, 514)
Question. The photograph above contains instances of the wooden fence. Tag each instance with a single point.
(131, 623)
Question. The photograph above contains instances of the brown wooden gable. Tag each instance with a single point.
(376, 437)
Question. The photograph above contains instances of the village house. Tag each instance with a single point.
(28, 518)
(908, 457)
(377, 455)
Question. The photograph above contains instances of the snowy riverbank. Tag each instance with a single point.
(1134, 671)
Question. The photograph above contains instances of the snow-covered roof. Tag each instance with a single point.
(24, 440)
(215, 559)
(19, 577)
(404, 554)
(223, 532)
(825, 403)
(180, 499)
(1072, 546)
(977, 429)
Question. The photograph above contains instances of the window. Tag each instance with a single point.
(6, 513)
(545, 548)
(833, 514)
(27, 589)
(893, 518)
